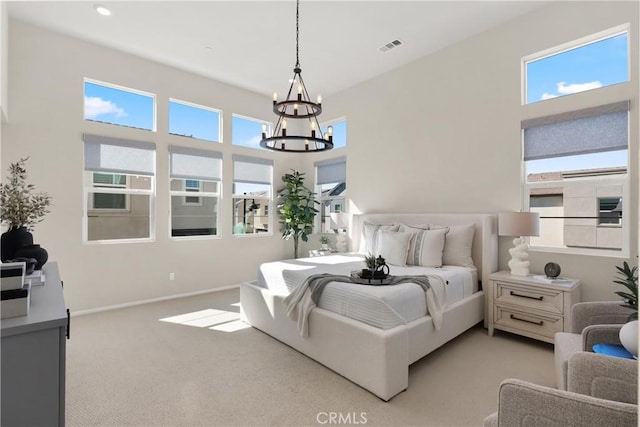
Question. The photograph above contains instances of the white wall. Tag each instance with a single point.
(46, 72)
(442, 134)
(4, 57)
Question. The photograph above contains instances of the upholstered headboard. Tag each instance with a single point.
(484, 249)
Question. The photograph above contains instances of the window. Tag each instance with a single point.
(192, 186)
(247, 132)
(119, 187)
(194, 121)
(576, 177)
(120, 106)
(590, 63)
(339, 131)
(331, 192)
(194, 171)
(252, 181)
(111, 201)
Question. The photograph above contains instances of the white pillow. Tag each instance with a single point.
(457, 245)
(370, 234)
(393, 246)
(426, 247)
(413, 228)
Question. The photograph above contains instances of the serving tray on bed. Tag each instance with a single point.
(355, 278)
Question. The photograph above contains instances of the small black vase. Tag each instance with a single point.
(34, 251)
(13, 240)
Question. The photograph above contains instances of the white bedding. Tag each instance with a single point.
(384, 307)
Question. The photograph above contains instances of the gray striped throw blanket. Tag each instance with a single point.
(305, 297)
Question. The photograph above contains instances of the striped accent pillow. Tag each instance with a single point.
(427, 247)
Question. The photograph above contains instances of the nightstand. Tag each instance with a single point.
(532, 306)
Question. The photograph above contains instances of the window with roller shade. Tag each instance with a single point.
(194, 171)
(576, 177)
(331, 192)
(119, 185)
(252, 193)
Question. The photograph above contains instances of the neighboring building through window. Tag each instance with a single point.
(252, 184)
(116, 105)
(110, 201)
(119, 189)
(339, 131)
(194, 171)
(194, 121)
(576, 177)
(247, 132)
(596, 61)
(331, 192)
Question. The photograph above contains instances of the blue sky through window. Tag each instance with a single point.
(118, 106)
(598, 64)
(247, 132)
(339, 133)
(193, 121)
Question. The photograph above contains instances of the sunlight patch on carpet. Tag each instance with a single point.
(208, 318)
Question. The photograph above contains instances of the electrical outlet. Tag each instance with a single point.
(172, 276)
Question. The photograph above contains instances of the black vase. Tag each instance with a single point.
(34, 251)
(13, 240)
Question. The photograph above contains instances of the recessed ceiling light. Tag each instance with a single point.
(102, 10)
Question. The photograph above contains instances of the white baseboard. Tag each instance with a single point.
(147, 301)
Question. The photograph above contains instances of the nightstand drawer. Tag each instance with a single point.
(549, 300)
(533, 323)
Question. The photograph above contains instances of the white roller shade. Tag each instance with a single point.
(252, 170)
(115, 155)
(191, 163)
(591, 130)
(330, 171)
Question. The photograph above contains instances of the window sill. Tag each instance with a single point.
(603, 253)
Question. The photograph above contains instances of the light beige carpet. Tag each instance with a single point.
(197, 367)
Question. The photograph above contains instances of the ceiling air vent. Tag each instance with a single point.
(392, 44)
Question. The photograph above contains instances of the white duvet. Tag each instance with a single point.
(384, 307)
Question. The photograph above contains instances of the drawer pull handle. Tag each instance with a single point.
(526, 296)
(540, 323)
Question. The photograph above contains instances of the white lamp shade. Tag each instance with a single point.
(519, 224)
(339, 220)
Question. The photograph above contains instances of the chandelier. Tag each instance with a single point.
(297, 106)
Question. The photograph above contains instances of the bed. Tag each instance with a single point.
(376, 356)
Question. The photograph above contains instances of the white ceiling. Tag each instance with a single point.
(251, 44)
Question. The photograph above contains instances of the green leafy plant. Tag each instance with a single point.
(20, 205)
(325, 240)
(296, 209)
(628, 277)
(371, 261)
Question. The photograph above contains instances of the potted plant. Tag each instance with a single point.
(21, 208)
(628, 277)
(324, 242)
(376, 267)
(296, 209)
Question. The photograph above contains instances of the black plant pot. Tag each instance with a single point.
(34, 251)
(13, 240)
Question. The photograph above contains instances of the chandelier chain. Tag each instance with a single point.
(297, 32)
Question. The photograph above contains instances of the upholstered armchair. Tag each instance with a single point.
(602, 391)
(597, 322)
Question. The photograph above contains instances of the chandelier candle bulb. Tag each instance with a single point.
(319, 100)
(295, 109)
(275, 98)
(284, 129)
(264, 130)
(313, 129)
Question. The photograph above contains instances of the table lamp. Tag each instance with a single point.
(519, 224)
(340, 222)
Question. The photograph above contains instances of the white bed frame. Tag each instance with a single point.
(377, 360)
